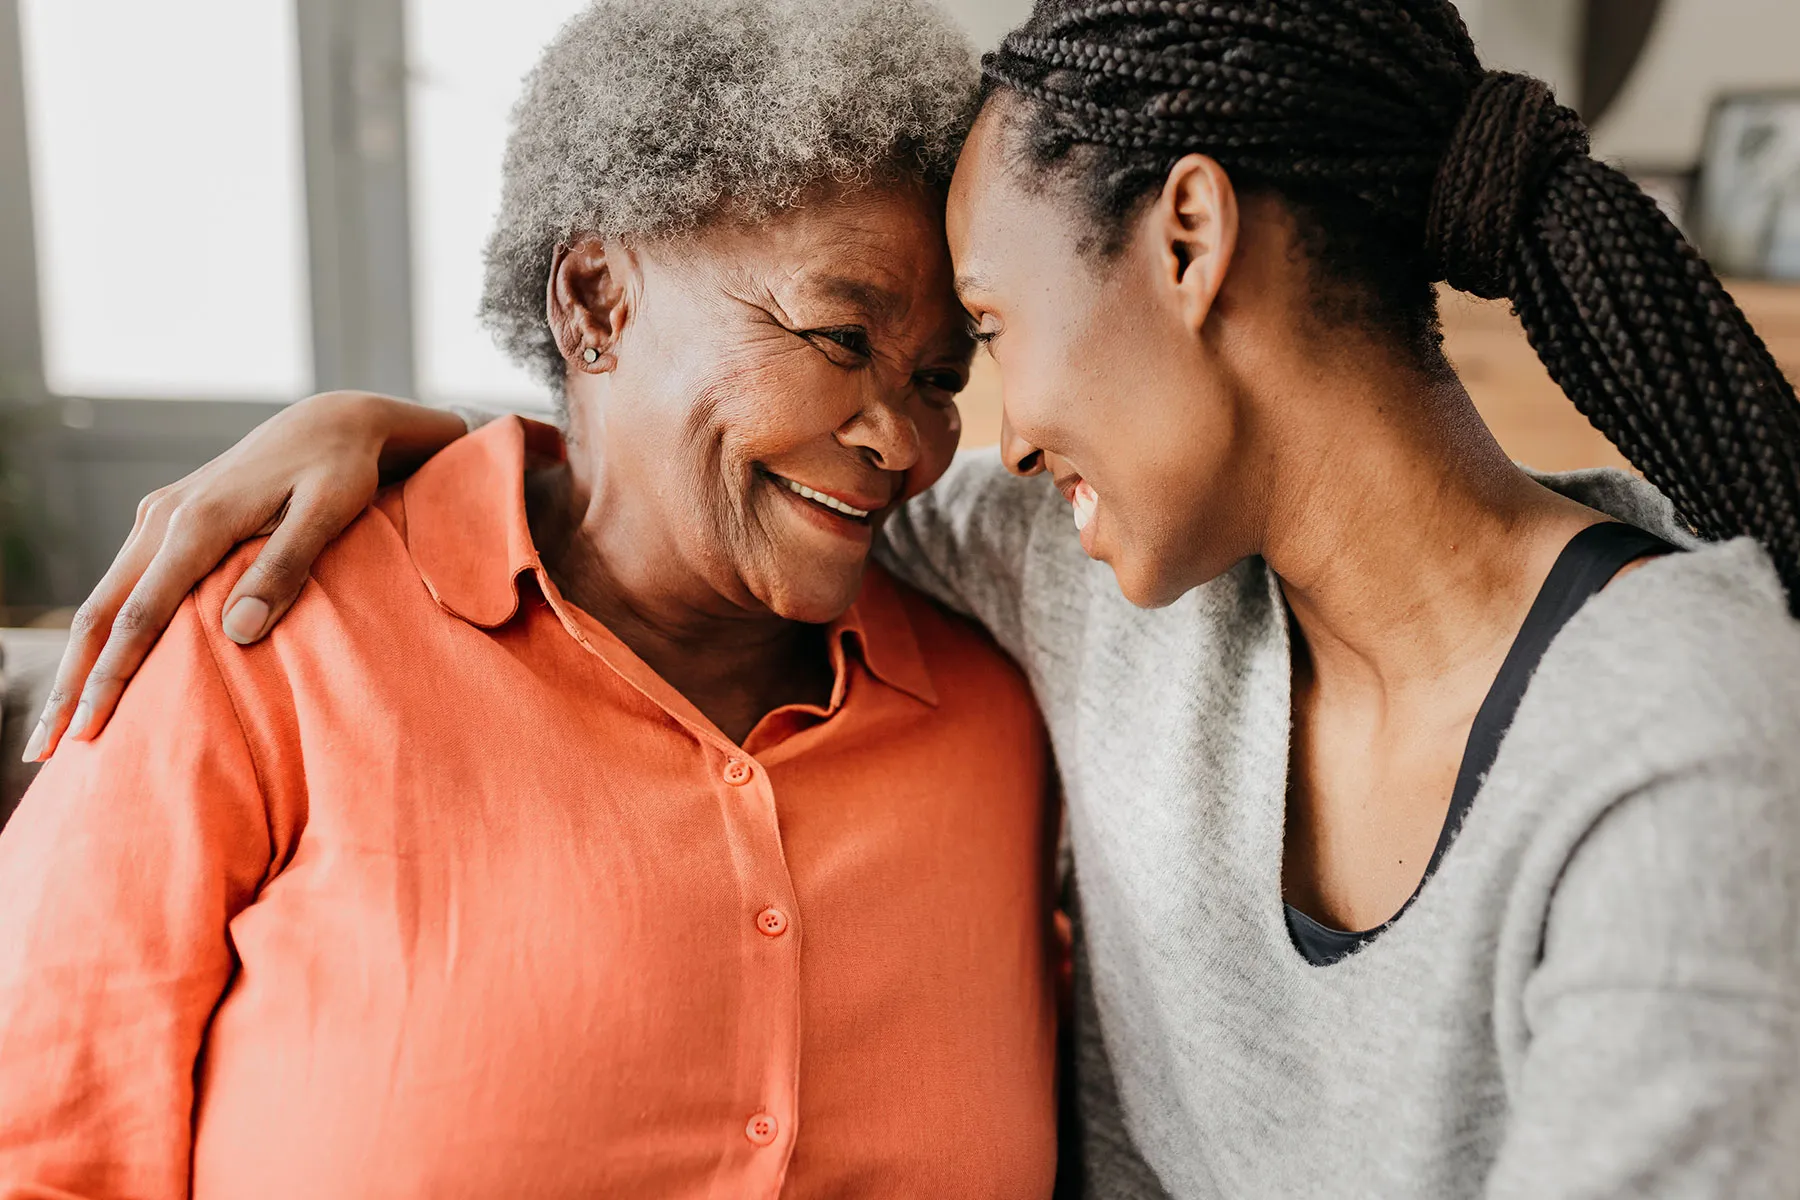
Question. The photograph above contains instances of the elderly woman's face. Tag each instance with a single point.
(764, 397)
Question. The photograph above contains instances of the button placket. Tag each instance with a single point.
(768, 1069)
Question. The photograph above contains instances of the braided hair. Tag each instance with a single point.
(1405, 163)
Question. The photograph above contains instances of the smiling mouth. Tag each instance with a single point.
(830, 504)
(1085, 501)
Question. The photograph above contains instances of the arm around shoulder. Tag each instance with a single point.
(966, 542)
(300, 477)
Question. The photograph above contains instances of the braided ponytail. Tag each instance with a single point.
(1406, 163)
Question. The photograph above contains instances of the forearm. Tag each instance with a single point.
(966, 541)
(408, 433)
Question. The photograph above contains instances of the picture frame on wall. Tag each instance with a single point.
(1747, 197)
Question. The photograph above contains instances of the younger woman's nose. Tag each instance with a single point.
(1022, 458)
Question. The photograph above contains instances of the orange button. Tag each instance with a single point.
(761, 1129)
(738, 772)
(772, 921)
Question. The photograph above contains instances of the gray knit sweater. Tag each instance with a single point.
(1595, 996)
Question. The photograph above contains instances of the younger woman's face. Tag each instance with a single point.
(1108, 386)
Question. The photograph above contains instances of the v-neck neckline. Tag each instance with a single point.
(1587, 563)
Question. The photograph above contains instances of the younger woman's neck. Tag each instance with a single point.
(1421, 548)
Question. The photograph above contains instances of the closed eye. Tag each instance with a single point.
(947, 382)
(850, 338)
(977, 334)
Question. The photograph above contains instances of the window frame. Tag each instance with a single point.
(81, 462)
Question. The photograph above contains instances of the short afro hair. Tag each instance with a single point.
(650, 118)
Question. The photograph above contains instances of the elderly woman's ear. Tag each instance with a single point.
(589, 300)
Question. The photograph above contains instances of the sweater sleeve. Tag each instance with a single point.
(965, 542)
(1664, 1016)
(119, 874)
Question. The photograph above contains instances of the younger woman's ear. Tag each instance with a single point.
(587, 302)
(1195, 222)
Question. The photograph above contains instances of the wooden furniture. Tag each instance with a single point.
(1528, 413)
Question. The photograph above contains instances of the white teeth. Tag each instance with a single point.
(1086, 501)
(800, 489)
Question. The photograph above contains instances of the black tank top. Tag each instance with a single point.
(1586, 565)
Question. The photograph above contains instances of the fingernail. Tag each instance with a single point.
(246, 619)
(34, 745)
(84, 714)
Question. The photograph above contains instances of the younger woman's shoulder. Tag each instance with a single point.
(1697, 645)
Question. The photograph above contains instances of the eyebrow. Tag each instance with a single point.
(872, 298)
(972, 282)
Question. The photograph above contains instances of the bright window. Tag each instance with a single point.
(468, 60)
(166, 181)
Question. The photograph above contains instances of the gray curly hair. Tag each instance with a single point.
(649, 118)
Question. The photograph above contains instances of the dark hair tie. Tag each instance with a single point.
(1511, 135)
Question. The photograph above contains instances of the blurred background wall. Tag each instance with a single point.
(209, 208)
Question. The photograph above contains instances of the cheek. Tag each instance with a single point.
(1057, 384)
(1180, 507)
(1129, 405)
(773, 400)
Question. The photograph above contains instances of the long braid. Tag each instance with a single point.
(1410, 164)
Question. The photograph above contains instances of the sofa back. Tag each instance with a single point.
(28, 659)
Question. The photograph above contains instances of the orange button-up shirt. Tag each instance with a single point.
(441, 892)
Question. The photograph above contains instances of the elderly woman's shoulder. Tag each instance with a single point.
(962, 663)
(365, 569)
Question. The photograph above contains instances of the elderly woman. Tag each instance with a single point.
(599, 824)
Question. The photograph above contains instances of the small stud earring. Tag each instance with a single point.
(590, 356)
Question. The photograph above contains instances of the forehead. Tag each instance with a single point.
(876, 250)
(995, 217)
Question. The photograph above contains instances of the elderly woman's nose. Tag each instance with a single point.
(887, 434)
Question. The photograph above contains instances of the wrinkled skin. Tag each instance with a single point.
(823, 347)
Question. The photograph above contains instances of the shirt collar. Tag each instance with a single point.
(883, 632)
(470, 539)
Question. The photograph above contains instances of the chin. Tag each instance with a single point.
(1144, 594)
(813, 601)
(1145, 585)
